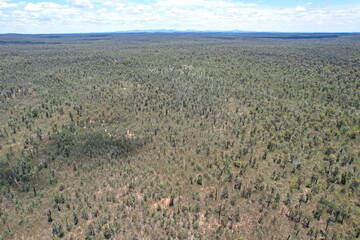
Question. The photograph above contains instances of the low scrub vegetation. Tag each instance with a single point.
(180, 136)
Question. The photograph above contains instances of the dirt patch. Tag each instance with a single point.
(163, 203)
(130, 134)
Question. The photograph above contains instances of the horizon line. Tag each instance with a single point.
(180, 31)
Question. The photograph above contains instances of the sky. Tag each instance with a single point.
(81, 16)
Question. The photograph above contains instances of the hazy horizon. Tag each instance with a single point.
(170, 31)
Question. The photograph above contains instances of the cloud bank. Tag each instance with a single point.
(120, 15)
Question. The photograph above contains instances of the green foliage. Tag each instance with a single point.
(179, 136)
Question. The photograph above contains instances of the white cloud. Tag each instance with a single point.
(4, 4)
(300, 8)
(80, 4)
(202, 3)
(32, 7)
(113, 3)
(140, 8)
(173, 3)
(41, 6)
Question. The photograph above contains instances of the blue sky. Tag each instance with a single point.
(75, 16)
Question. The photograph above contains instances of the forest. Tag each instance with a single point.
(180, 136)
